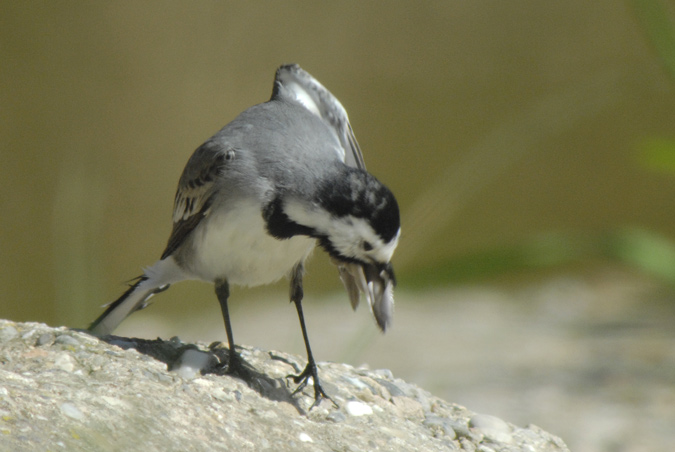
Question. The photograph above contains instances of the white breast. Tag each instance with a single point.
(233, 244)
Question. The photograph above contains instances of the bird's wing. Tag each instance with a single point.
(196, 189)
(292, 82)
(295, 84)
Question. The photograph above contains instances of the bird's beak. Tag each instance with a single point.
(376, 282)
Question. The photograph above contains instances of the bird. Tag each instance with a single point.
(253, 202)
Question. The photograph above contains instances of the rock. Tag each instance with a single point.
(440, 426)
(355, 408)
(491, 427)
(64, 389)
(8, 332)
(64, 362)
(192, 362)
(45, 339)
(66, 339)
(72, 411)
(409, 408)
(305, 438)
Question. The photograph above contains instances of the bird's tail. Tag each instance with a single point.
(134, 299)
(154, 280)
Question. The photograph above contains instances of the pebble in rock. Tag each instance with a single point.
(71, 411)
(394, 390)
(460, 428)
(65, 339)
(191, 363)
(385, 373)
(8, 333)
(336, 416)
(491, 427)
(305, 438)
(64, 362)
(439, 424)
(45, 339)
(356, 408)
(409, 407)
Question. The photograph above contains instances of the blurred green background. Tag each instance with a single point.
(516, 135)
(526, 141)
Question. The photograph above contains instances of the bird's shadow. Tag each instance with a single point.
(171, 353)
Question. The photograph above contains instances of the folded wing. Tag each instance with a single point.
(292, 82)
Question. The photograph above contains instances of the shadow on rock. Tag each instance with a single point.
(189, 359)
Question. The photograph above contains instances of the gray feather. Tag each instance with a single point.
(294, 83)
(376, 285)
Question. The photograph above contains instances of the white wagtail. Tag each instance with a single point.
(256, 197)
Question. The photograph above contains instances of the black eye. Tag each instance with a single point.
(367, 246)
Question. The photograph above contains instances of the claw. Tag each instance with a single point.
(302, 380)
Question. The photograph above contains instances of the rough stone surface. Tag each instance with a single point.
(62, 389)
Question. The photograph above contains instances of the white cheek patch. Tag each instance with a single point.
(346, 234)
(386, 251)
(359, 231)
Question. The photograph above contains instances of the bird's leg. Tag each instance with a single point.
(310, 369)
(234, 364)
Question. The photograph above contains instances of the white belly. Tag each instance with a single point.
(234, 245)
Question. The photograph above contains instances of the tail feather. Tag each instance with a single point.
(155, 279)
(134, 299)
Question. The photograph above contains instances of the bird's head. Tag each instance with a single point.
(354, 216)
(356, 221)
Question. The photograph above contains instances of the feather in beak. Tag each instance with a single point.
(376, 282)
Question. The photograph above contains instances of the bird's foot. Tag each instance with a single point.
(302, 380)
(232, 363)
